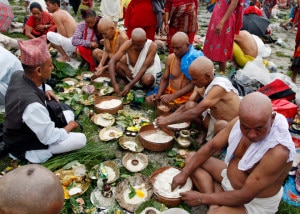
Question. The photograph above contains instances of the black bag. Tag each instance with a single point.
(56, 112)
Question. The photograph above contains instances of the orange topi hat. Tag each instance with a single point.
(34, 51)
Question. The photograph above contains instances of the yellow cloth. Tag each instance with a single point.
(239, 56)
(179, 100)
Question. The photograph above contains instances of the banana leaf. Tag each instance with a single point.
(63, 70)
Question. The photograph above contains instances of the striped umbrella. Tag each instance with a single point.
(6, 16)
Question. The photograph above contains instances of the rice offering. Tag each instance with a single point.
(101, 79)
(141, 194)
(178, 125)
(103, 122)
(111, 134)
(163, 181)
(158, 137)
(131, 145)
(109, 104)
(111, 174)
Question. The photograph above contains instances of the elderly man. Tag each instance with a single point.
(175, 87)
(220, 97)
(136, 62)
(113, 39)
(29, 132)
(249, 181)
(31, 189)
(66, 26)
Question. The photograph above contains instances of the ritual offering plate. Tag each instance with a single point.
(101, 79)
(175, 210)
(104, 120)
(135, 162)
(73, 180)
(101, 201)
(133, 191)
(70, 81)
(108, 104)
(131, 143)
(179, 126)
(151, 206)
(155, 139)
(106, 90)
(86, 75)
(110, 133)
(112, 170)
(161, 181)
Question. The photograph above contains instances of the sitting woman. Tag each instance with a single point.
(87, 37)
(39, 22)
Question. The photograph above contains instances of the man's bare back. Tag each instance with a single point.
(65, 23)
(247, 43)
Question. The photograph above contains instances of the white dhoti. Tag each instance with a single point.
(8, 42)
(64, 42)
(110, 8)
(257, 205)
(153, 69)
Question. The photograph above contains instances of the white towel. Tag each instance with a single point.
(279, 134)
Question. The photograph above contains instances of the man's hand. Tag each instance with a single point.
(161, 121)
(179, 180)
(99, 71)
(94, 45)
(71, 126)
(126, 90)
(50, 94)
(167, 98)
(117, 89)
(191, 198)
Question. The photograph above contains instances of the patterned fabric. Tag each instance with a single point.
(219, 48)
(34, 51)
(6, 16)
(46, 19)
(183, 16)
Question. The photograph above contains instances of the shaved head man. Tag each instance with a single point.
(260, 152)
(136, 63)
(220, 97)
(113, 38)
(31, 189)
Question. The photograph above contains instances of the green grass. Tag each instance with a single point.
(281, 54)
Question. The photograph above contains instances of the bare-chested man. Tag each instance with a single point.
(220, 97)
(245, 48)
(66, 26)
(31, 189)
(175, 87)
(259, 156)
(113, 38)
(135, 62)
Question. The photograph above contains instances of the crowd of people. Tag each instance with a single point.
(247, 181)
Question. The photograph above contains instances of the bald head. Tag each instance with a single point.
(180, 38)
(138, 34)
(255, 105)
(105, 23)
(202, 66)
(31, 189)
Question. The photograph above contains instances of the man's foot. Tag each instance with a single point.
(297, 179)
(63, 59)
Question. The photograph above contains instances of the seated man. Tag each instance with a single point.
(65, 25)
(220, 97)
(29, 132)
(9, 64)
(31, 189)
(175, 86)
(113, 39)
(259, 156)
(136, 61)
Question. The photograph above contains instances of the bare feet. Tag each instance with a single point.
(63, 59)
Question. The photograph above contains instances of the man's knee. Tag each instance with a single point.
(219, 125)
(189, 105)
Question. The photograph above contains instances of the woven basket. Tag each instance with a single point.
(111, 110)
(156, 147)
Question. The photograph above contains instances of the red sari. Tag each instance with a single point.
(140, 13)
(46, 19)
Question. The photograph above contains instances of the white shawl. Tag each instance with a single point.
(279, 134)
